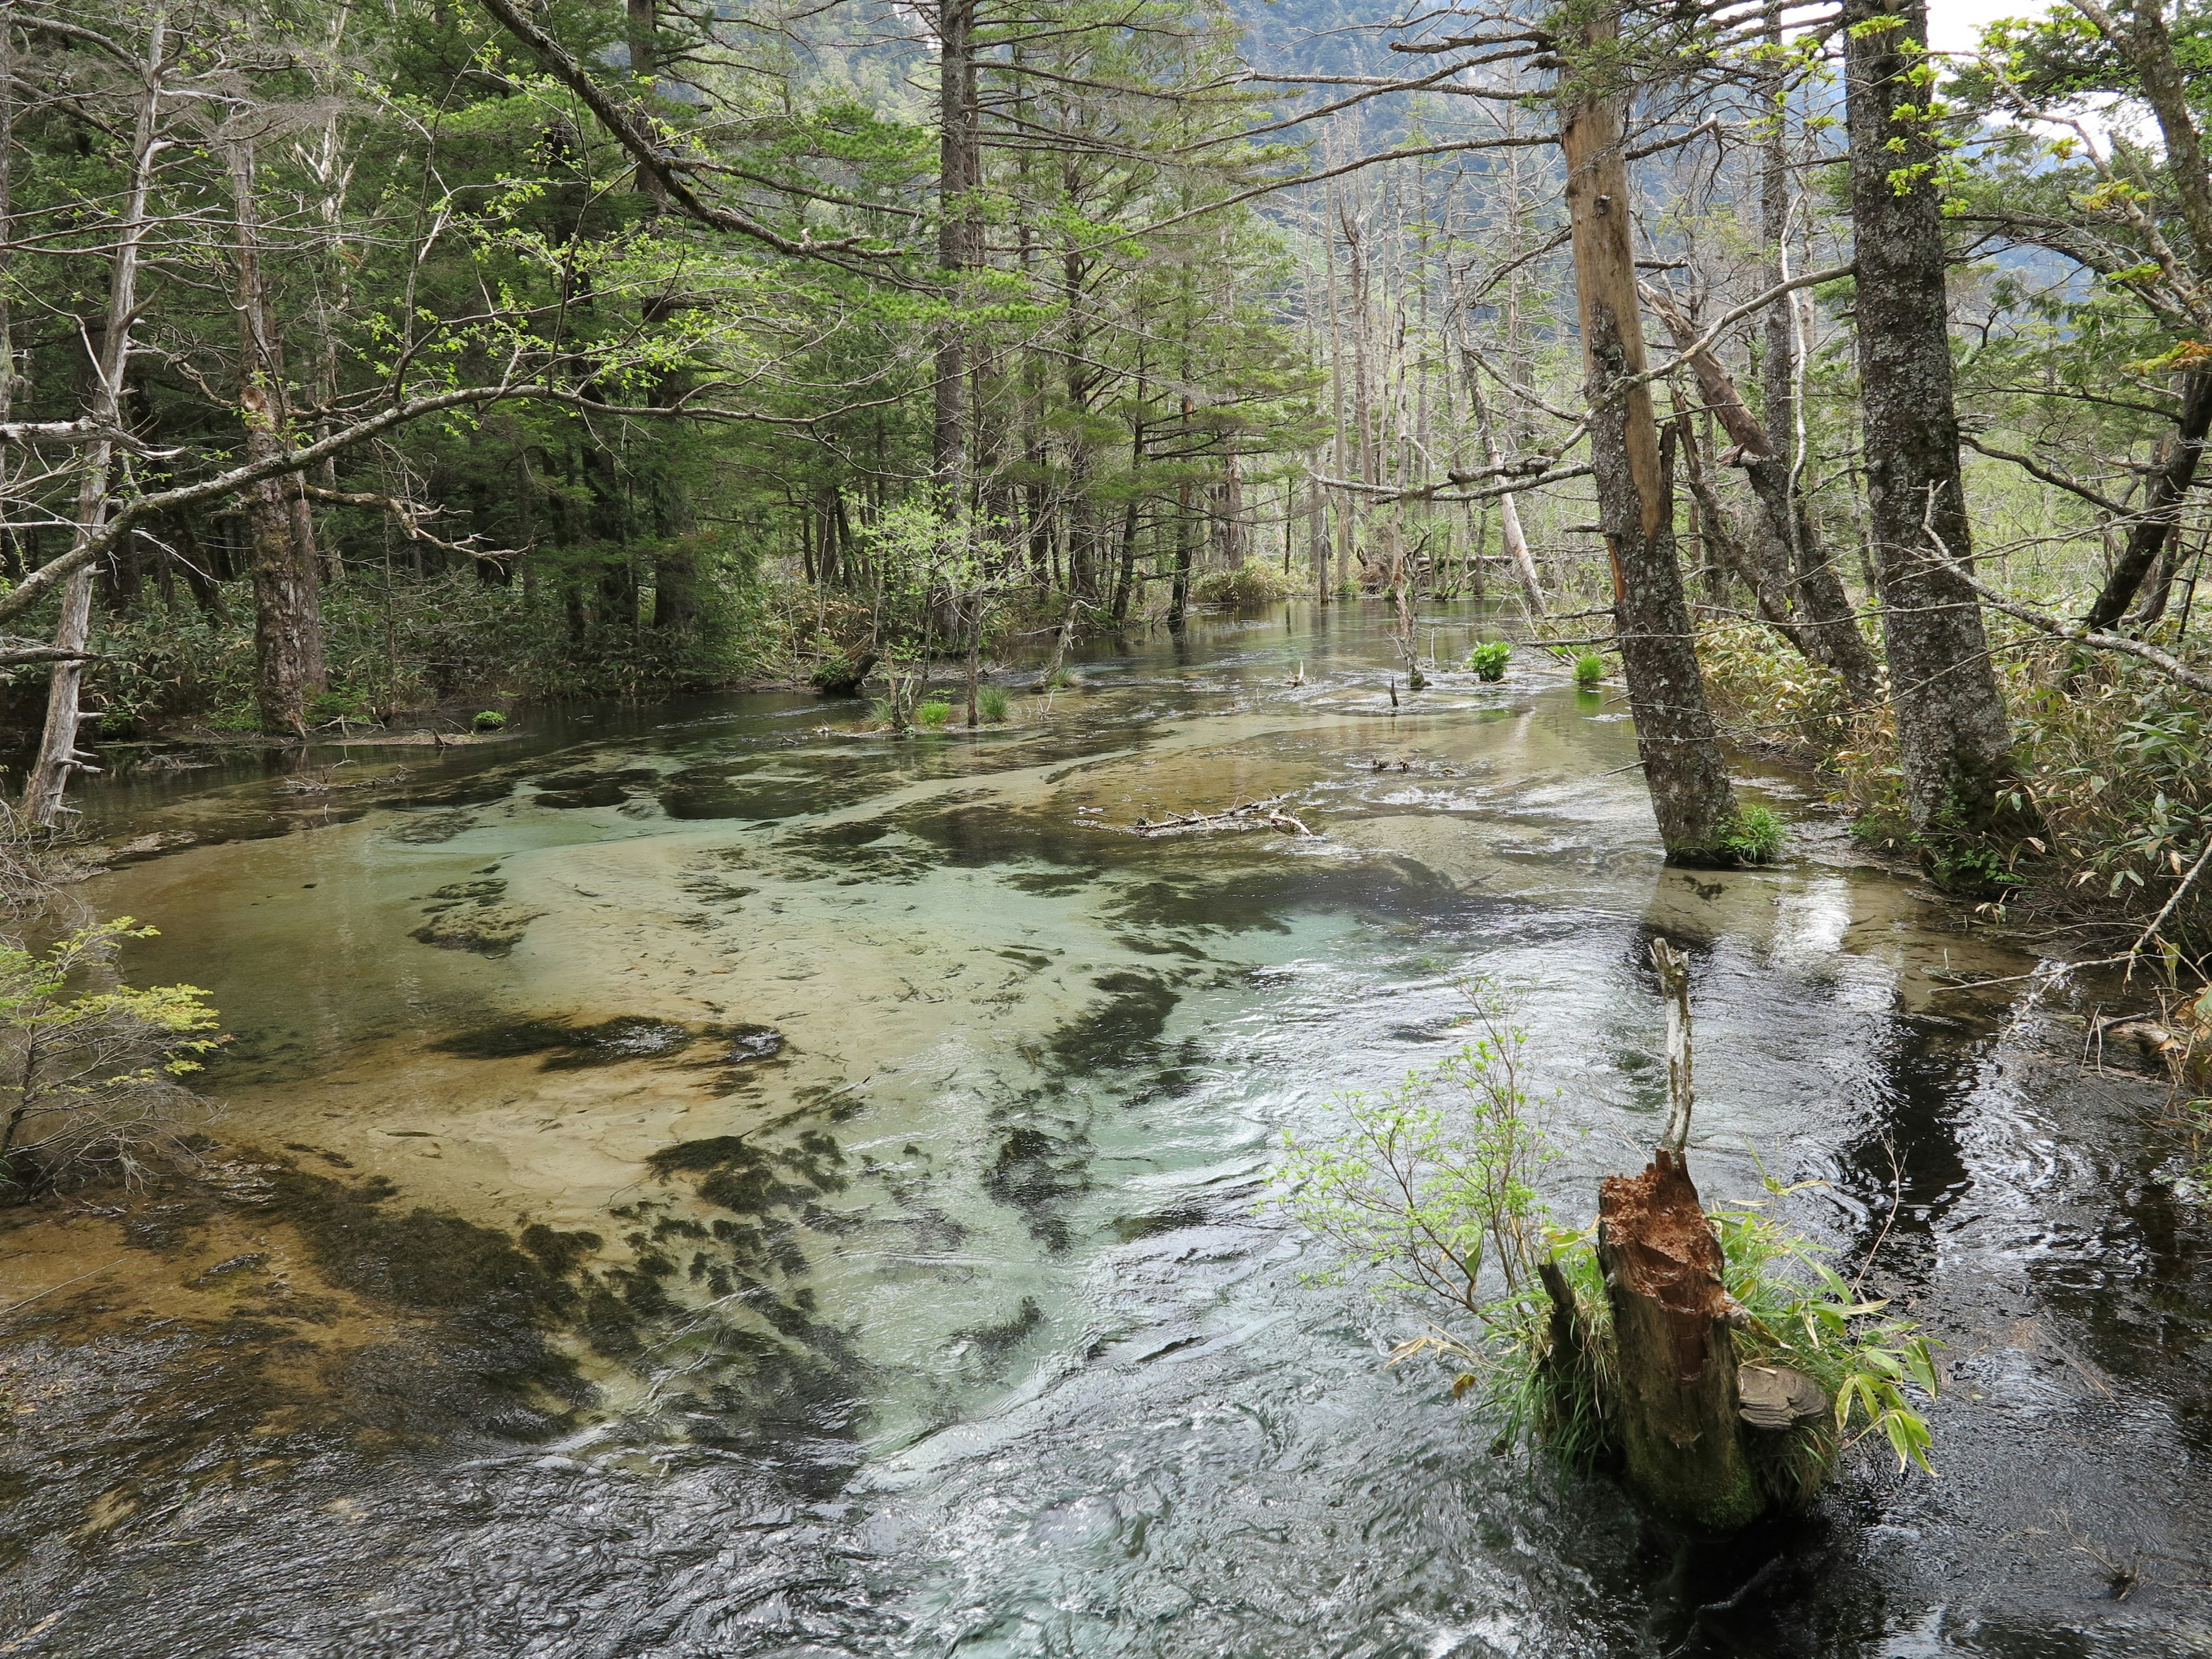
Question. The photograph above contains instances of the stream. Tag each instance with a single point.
(697, 1179)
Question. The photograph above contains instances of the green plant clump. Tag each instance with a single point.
(991, 704)
(327, 705)
(933, 715)
(1430, 1193)
(1589, 669)
(490, 720)
(1488, 660)
(1754, 835)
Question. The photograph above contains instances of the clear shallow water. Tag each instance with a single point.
(917, 1121)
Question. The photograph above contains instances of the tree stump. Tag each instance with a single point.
(1679, 1425)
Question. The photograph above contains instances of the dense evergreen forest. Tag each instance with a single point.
(361, 360)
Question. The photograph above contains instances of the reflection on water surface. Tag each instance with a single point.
(701, 1181)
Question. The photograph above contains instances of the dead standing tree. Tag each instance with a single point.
(108, 355)
(1675, 734)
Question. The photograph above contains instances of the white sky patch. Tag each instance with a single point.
(1956, 24)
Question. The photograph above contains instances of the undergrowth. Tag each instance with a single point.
(1255, 582)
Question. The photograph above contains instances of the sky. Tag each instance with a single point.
(1953, 24)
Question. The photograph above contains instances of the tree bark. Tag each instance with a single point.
(1953, 736)
(2154, 526)
(1675, 734)
(1787, 560)
(57, 758)
(1680, 1433)
(288, 624)
(956, 72)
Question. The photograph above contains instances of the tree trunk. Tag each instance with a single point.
(57, 754)
(1679, 1430)
(1788, 558)
(1953, 736)
(2154, 526)
(1675, 735)
(1317, 531)
(1509, 512)
(956, 73)
(1179, 590)
(287, 632)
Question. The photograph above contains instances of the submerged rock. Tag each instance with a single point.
(490, 929)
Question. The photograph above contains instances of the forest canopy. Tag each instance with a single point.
(360, 358)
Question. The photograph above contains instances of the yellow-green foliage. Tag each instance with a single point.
(1762, 691)
(90, 1081)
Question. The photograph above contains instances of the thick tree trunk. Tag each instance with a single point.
(288, 624)
(1680, 1432)
(1675, 734)
(1953, 736)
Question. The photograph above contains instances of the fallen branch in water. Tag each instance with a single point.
(1246, 815)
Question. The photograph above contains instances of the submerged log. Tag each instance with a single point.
(1679, 1429)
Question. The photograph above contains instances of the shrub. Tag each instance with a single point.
(1589, 669)
(1253, 583)
(1430, 1190)
(991, 704)
(490, 720)
(1488, 660)
(89, 1083)
(1754, 835)
(933, 714)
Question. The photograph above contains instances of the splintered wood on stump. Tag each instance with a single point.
(1678, 1425)
(1678, 1409)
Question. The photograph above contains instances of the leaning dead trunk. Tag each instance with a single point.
(2151, 537)
(1677, 1411)
(1788, 560)
(1675, 734)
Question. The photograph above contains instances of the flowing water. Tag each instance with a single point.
(704, 1179)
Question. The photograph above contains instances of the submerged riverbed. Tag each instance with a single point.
(702, 1180)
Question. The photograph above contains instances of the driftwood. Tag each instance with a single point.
(1248, 815)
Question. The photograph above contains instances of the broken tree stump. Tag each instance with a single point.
(1679, 1425)
(1681, 1431)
